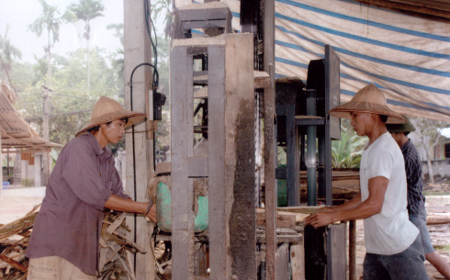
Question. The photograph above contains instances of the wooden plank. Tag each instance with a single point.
(269, 138)
(282, 260)
(298, 261)
(149, 257)
(198, 166)
(163, 168)
(14, 263)
(301, 209)
(116, 223)
(182, 148)
(293, 159)
(284, 220)
(262, 79)
(336, 246)
(240, 153)
(218, 231)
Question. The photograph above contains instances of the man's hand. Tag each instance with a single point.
(151, 215)
(320, 219)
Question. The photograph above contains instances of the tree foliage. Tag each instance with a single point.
(7, 50)
(50, 21)
(85, 10)
(163, 8)
(346, 153)
(8, 53)
(70, 100)
(429, 132)
(71, 103)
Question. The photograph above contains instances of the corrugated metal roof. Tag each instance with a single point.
(16, 133)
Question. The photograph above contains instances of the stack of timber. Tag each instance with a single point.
(114, 245)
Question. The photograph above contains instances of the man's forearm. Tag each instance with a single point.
(362, 211)
(353, 203)
(117, 203)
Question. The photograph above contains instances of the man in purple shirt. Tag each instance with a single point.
(64, 242)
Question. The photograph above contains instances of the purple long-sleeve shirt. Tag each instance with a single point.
(70, 220)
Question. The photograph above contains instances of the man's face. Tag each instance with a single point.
(361, 122)
(113, 132)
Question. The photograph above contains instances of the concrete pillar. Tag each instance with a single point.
(24, 170)
(37, 169)
(139, 155)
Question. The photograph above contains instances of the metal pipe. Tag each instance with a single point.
(311, 164)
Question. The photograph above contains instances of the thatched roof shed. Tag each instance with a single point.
(16, 133)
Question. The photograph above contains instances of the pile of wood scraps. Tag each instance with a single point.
(114, 245)
(115, 262)
(14, 239)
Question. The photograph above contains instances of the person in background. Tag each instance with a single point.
(393, 246)
(84, 182)
(416, 199)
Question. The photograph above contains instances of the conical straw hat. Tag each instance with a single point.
(108, 110)
(369, 99)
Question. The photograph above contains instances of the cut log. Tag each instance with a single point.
(438, 219)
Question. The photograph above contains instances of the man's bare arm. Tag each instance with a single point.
(371, 206)
(117, 203)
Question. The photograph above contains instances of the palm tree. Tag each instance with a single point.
(164, 8)
(117, 59)
(85, 10)
(49, 21)
(7, 53)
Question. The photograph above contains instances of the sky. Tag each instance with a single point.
(19, 14)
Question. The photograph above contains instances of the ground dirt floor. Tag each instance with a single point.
(14, 204)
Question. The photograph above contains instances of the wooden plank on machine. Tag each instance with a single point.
(218, 236)
(298, 261)
(240, 153)
(284, 220)
(182, 148)
(282, 262)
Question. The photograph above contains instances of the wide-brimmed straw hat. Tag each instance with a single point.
(401, 127)
(369, 99)
(108, 110)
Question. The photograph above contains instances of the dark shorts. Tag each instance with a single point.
(407, 265)
(420, 221)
